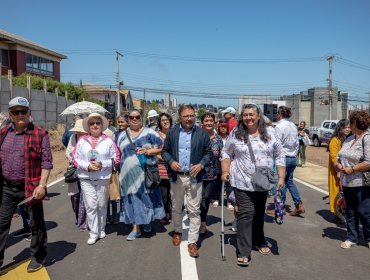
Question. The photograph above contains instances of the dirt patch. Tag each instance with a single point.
(317, 155)
(58, 151)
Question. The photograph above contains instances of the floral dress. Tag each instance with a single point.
(138, 205)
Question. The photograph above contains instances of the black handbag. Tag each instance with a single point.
(151, 172)
(152, 178)
(70, 176)
(365, 174)
(264, 178)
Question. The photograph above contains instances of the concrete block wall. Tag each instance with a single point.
(45, 107)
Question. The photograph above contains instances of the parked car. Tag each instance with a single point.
(323, 133)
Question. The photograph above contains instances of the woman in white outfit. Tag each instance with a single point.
(93, 156)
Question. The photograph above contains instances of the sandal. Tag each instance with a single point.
(264, 250)
(347, 244)
(243, 261)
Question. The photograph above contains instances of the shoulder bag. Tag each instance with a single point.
(114, 187)
(365, 174)
(264, 178)
(152, 177)
(70, 176)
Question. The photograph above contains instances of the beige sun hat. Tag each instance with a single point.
(86, 120)
(78, 127)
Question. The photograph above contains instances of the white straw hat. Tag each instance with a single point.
(78, 127)
(86, 121)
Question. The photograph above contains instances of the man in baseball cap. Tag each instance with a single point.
(229, 115)
(26, 161)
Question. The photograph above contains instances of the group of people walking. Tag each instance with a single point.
(192, 162)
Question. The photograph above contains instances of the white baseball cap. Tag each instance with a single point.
(19, 101)
(230, 110)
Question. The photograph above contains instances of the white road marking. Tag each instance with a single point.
(188, 264)
(55, 182)
(311, 186)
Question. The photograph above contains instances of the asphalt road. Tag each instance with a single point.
(302, 248)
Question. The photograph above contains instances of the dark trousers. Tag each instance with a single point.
(11, 197)
(165, 186)
(216, 191)
(250, 216)
(206, 199)
(357, 210)
(75, 200)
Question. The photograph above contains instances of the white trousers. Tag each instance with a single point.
(182, 189)
(95, 195)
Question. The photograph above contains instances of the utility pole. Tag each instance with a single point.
(330, 84)
(118, 100)
(144, 107)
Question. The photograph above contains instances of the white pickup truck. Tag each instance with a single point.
(323, 133)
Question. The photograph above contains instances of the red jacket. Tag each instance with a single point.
(32, 156)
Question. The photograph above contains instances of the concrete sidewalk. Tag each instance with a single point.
(313, 174)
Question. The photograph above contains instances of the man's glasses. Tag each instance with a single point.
(94, 123)
(19, 112)
(134, 117)
(188, 117)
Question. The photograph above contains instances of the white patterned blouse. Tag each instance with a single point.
(242, 167)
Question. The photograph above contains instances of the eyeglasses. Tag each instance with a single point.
(188, 117)
(165, 120)
(134, 117)
(93, 123)
(19, 112)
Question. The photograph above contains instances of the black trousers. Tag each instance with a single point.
(206, 199)
(250, 216)
(11, 197)
(165, 186)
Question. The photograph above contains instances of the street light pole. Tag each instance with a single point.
(330, 59)
(118, 100)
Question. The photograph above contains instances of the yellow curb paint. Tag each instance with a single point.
(19, 272)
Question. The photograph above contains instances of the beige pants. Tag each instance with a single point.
(193, 192)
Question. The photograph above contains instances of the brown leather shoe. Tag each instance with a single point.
(294, 212)
(176, 239)
(193, 250)
(301, 209)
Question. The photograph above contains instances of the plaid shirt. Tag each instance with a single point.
(32, 155)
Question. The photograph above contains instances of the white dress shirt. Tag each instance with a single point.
(287, 132)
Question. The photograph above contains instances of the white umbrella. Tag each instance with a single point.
(83, 107)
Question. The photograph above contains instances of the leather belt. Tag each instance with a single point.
(18, 183)
(187, 173)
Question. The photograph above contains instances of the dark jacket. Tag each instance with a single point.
(201, 150)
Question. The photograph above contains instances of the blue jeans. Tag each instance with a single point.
(290, 165)
(357, 210)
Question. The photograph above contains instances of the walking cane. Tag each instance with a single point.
(222, 223)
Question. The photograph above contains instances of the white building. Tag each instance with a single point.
(174, 102)
(167, 100)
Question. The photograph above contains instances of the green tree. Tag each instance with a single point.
(74, 92)
(201, 112)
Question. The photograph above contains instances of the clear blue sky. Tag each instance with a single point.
(207, 32)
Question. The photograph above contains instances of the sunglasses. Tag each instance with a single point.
(93, 123)
(19, 112)
(134, 117)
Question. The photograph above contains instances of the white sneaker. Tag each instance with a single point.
(215, 204)
(92, 240)
(347, 244)
(234, 226)
(102, 235)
